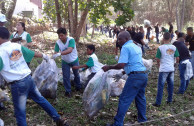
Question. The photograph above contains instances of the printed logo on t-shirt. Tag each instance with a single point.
(170, 51)
(15, 55)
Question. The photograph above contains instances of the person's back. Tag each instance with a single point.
(183, 50)
(166, 54)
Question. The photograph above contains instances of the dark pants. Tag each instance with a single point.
(23, 89)
(157, 35)
(184, 83)
(89, 78)
(66, 76)
(134, 89)
(148, 36)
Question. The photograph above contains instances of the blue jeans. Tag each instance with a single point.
(66, 76)
(148, 36)
(134, 89)
(163, 77)
(23, 89)
(192, 59)
(184, 83)
(157, 35)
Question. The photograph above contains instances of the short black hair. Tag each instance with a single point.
(4, 33)
(190, 29)
(91, 47)
(176, 31)
(166, 36)
(62, 30)
(181, 34)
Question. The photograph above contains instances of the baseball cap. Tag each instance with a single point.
(2, 18)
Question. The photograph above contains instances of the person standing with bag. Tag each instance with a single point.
(16, 72)
(131, 61)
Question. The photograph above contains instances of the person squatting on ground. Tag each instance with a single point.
(183, 62)
(66, 48)
(131, 60)
(93, 64)
(190, 41)
(16, 72)
(165, 61)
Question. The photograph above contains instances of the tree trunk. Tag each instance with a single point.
(2, 6)
(10, 13)
(58, 13)
(70, 10)
(177, 15)
(75, 16)
(182, 15)
(82, 20)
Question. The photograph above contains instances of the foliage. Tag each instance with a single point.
(124, 7)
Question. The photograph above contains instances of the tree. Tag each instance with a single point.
(81, 8)
(8, 10)
(58, 13)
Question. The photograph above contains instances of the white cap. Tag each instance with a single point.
(2, 18)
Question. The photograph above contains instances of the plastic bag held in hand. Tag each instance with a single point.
(46, 78)
(96, 94)
(3, 96)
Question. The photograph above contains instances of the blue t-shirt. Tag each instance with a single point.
(131, 54)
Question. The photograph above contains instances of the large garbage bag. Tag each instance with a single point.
(84, 76)
(1, 122)
(3, 96)
(46, 78)
(96, 94)
(148, 64)
(147, 23)
(117, 87)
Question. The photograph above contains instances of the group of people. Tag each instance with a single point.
(15, 58)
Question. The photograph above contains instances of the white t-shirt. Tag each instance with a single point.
(167, 53)
(14, 64)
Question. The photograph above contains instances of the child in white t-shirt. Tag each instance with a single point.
(166, 54)
(92, 64)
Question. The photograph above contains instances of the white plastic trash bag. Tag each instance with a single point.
(117, 87)
(1, 122)
(147, 23)
(46, 78)
(84, 76)
(96, 94)
(148, 64)
(3, 96)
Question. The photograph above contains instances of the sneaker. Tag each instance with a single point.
(61, 122)
(167, 102)
(156, 105)
(68, 94)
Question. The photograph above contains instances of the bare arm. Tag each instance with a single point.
(81, 66)
(158, 62)
(143, 43)
(117, 67)
(38, 55)
(177, 59)
(69, 50)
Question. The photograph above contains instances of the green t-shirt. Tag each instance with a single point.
(90, 62)
(1, 64)
(71, 44)
(27, 54)
(158, 54)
